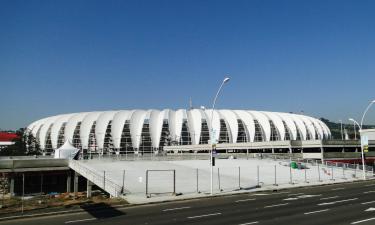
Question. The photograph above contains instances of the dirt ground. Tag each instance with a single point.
(16, 205)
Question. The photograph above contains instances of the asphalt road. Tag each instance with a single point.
(351, 203)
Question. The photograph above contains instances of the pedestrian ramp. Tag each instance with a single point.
(98, 179)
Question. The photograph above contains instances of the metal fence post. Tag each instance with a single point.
(104, 180)
(343, 171)
(197, 181)
(306, 175)
(318, 173)
(146, 183)
(174, 182)
(332, 173)
(290, 174)
(123, 181)
(218, 178)
(239, 177)
(275, 184)
(258, 176)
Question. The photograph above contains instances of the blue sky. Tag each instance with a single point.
(72, 56)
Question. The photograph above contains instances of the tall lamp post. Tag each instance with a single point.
(360, 129)
(342, 135)
(213, 142)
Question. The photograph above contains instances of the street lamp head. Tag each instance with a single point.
(351, 119)
(373, 101)
(226, 80)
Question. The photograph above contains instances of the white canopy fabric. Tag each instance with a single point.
(66, 151)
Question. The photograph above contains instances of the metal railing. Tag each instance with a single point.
(98, 179)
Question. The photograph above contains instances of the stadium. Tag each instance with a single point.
(150, 131)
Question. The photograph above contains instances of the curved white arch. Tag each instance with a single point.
(317, 127)
(279, 125)
(194, 117)
(101, 127)
(300, 126)
(71, 126)
(291, 126)
(308, 124)
(326, 130)
(44, 129)
(175, 122)
(215, 123)
(156, 125)
(231, 121)
(136, 124)
(86, 126)
(30, 127)
(117, 127)
(37, 126)
(263, 122)
(248, 122)
(56, 128)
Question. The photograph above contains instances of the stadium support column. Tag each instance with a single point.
(11, 190)
(89, 188)
(75, 183)
(68, 182)
(322, 153)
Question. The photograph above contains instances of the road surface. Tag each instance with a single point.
(350, 203)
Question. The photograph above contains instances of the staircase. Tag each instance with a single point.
(98, 179)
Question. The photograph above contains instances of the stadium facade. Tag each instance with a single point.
(142, 131)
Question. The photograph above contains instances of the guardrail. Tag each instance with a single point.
(99, 180)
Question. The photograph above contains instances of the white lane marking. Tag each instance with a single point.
(245, 200)
(249, 223)
(76, 221)
(331, 203)
(205, 215)
(369, 185)
(365, 203)
(261, 194)
(300, 197)
(366, 192)
(185, 207)
(370, 209)
(271, 206)
(279, 193)
(335, 189)
(318, 211)
(296, 194)
(329, 197)
(361, 221)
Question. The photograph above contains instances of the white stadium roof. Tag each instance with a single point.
(50, 128)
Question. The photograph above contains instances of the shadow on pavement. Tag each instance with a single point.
(102, 211)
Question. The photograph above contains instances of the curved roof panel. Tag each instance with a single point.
(101, 127)
(117, 127)
(136, 124)
(86, 126)
(56, 128)
(263, 122)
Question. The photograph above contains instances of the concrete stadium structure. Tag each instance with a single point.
(142, 131)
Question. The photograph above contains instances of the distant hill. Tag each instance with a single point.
(336, 130)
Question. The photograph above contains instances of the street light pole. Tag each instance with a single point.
(360, 130)
(363, 157)
(342, 135)
(226, 79)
